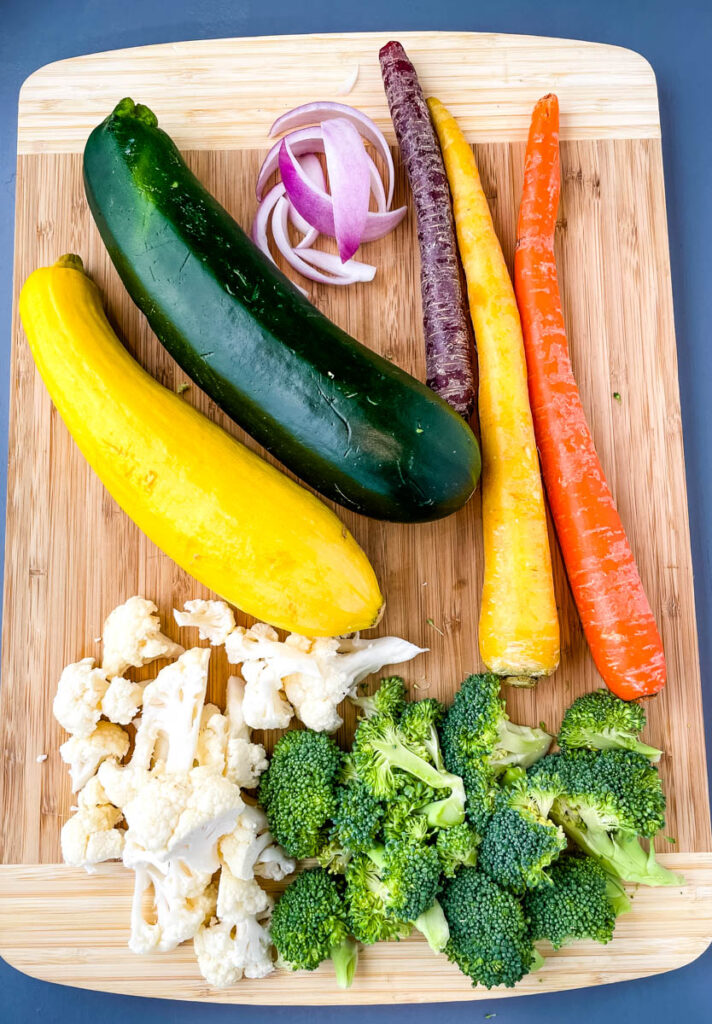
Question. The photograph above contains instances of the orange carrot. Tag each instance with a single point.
(609, 595)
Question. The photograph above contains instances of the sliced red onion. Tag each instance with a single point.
(261, 221)
(281, 237)
(331, 262)
(316, 205)
(307, 142)
(312, 165)
(349, 183)
(313, 113)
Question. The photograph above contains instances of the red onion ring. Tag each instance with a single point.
(349, 184)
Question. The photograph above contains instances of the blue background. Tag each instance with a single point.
(675, 38)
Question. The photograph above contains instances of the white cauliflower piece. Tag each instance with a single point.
(250, 849)
(132, 637)
(211, 751)
(121, 783)
(77, 704)
(89, 837)
(239, 898)
(84, 754)
(122, 701)
(245, 760)
(182, 902)
(172, 708)
(264, 706)
(316, 675)
(227, 952)
(214, 619)
(181, 816)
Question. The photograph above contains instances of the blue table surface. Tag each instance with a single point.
(675, 38)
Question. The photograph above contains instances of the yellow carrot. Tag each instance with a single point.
(519, 626)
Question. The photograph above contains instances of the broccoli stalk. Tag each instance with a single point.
(345, 960)
(384, 759)
(619, 852)
(602, 721)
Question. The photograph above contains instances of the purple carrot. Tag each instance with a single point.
(448, 342)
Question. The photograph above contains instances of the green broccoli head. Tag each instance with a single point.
(309, 925)
(389, 699)
(517, 848)
(419, 723)
(367, 902)
(582, 902)
(489, 935)
(334, 857)
(612, 790)
(387, 761)
(297, 791)
(411, 873)
(477, 725)
(357, 817)
(608, 799)
(406, 808)
(456, 847)
(602, 721)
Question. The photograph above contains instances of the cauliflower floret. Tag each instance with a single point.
(211, 751)
(181, 903)
(132, 637)
(122, 701)
(245, 760)
(239, 898)
(77, 704)
(263, 706)
(227, 952)
(84, 754)
(250, 849)
(214, 619)
(172, 707)
(316, 675)
(89, 836)
(121, 783)
(181, 816)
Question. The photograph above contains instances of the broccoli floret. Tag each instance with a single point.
(297, 791)
(334, 857)
(517, 848)
(477, 724)
(386, 761)
(401, 811)
(582, 902)
(367, 900)
(456, 847)
(389, 699)
(613, 789)
(489, 936)
(602, 721)
(391, 888)
(419, 724)
(608, 799)
(357, 817)
(309, 925)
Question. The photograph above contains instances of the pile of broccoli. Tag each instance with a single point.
(462, 825)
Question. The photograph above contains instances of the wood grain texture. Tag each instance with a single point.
(79, 923)
(71, 554)
(223, 93)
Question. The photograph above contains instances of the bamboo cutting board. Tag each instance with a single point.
(71, 554)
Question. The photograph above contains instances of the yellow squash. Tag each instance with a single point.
(225, 515)
(519, 625)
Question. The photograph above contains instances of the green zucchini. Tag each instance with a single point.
(351, 424)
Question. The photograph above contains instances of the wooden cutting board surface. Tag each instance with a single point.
(72, 555)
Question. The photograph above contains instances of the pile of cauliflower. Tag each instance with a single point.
(167, 799)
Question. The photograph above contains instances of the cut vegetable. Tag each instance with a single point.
(519, 626)
(226, 516)
(615, 613)
(448, 345)
(349, 183)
